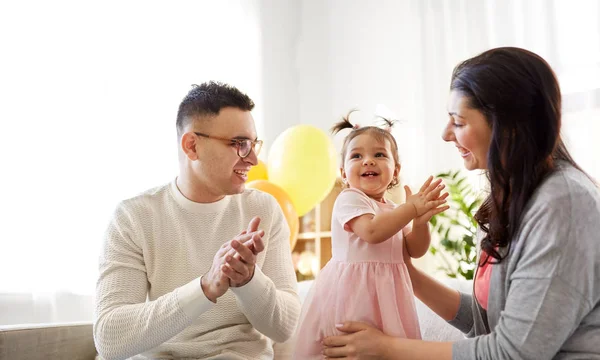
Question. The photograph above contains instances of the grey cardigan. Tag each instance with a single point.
(544, 299)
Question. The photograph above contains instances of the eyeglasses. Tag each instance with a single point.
(244, 146)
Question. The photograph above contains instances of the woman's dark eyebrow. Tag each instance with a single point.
(455, 114)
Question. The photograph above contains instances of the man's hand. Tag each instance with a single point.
(240, 260)
(216, 281)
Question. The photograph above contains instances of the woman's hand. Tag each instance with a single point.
(428, 200)
(423, 220)
(362, 341)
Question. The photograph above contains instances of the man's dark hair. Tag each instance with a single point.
(207, 99)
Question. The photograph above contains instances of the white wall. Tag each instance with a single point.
(383, 60)
(344, 54)
(280, 28)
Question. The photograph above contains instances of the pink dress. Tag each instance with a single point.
(362, 282)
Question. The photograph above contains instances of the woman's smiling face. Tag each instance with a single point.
(469, 130)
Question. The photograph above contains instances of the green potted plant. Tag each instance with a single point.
(457, 227)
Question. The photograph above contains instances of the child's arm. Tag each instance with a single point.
(418, 240)
(375, 229)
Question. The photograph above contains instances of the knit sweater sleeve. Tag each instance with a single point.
(124, 323)
(270, 300)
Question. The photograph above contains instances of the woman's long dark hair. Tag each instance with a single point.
(519, 95)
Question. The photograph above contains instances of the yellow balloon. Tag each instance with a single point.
(284, 202)
(258, 172)
(303, 161)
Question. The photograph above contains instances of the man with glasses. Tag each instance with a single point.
(172, 254)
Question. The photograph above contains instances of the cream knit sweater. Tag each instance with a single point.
(148, 297)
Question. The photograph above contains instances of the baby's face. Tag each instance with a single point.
(369, 165)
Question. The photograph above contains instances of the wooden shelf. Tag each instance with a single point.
(313, 235)
(315, 229)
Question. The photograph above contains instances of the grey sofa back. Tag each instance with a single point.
(48, 342)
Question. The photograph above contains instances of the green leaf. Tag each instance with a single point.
(469, 274)
(433, 221)
(442, 215)
(466, 191)
(446, 243)
(457, 227)
(468, 240)
(475, 204)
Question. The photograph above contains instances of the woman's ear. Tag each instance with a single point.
(188, 145)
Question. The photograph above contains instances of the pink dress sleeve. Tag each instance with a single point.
(351, 203)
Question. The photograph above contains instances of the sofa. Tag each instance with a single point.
(74, 341)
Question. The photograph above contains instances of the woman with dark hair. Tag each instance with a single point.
(536, 292)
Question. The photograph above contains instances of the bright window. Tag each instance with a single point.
(89, 96)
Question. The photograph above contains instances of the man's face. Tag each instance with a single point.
(218, 167)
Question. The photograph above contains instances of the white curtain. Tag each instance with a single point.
(445, 32)
(89, 95)
(565, 33)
